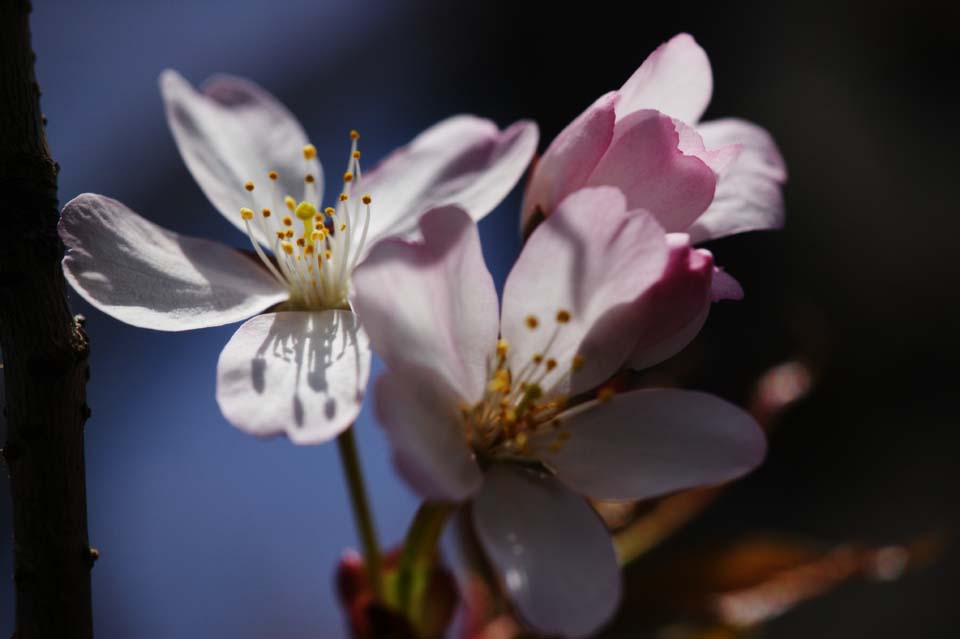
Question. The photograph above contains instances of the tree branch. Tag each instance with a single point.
(45, 360)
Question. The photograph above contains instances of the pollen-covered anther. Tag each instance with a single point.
(563, 316)
(531, 321)
(605, 394)
(287, 220)
(354, 135)
(551, 364)
(281, 235)
(577, 363)
(503, 347)
(301, 242)
(366, 199)
(309, 152)
(329, 211)
(343, 227)
(356, 155)
(246, 214)
(273, 175)
(266, 213)
(344, 197)
(348, 177)
(537, 358)
(248, 186)
(500, 382)
(308, 178)
(305, 211)
(287, 247)
(290, 203)
(289, 233)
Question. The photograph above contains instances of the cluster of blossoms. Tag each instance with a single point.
(502, 407)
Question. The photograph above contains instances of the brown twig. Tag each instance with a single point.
(45, 360)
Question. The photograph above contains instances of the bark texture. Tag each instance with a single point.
(45, 360)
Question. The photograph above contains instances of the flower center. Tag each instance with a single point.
(314, 251)
(516, 406)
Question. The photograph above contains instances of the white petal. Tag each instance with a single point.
(431, 305)
(646, 443)
(749, 192)
(676, 79)
(591, 258)
(150, 277)
(233, 132)
(299, 374)
(463, 161)
(551, 551)
(420, 415)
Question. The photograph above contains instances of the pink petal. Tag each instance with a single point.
(299, 374)
(233, 132)
(645, 161)
(463, 161)
(551, 551)
(675, 79)
(646, 443)
(724, 286)
(591, 258)
(676, 307)
(421, 417)
(431, 305)
(570, 159)
(748, 196)
(147, 276)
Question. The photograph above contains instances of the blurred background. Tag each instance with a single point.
(205, 532)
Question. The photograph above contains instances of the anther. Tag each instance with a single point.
(248, 186)
(289, 233)
(503, 347)
(301, 242)
(356, 155)
(287, 220)
(354, 135)
(537, 358)
(348, 177)
(551, 364)
(532, 322)
(281, 235)
(309, 152)
(273, 175)
(290, 203)
(343, 227)
(308, 178)
(246, 213)
(287, 247)
(605, 394)
(329, 211)
(577, 363)
(344, 197)
(563, 316)
(305, 211)
(265, 212)
(366, 199)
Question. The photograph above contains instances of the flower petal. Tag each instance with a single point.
(431, 305)
(591, 258)
(675, 79)
(646, 162)
(147, 276)
(551, 551)
(570, 159)
(463, 161)
(676, 307)
(300, 374)
(421, 417)
(233, 132)
(724, 286)
(748, 196)
(646, 443)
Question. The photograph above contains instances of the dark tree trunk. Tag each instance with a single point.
(45, 360)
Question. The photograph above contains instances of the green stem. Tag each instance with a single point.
(362, 515)
(419, 554)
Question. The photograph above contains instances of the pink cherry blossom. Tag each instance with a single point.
(500, 406)
(300, 370)
(705, 180)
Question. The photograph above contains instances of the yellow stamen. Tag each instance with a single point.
(265, 212)
(348, 177)
(246, 213)
(287, 247)
(309, 152)
(563, 316)
(273, 175)
(354, 135)
(248, 186)
(290, 203)
(287, 220)
(344, 197)
(532, 322)
(366, 199)
(503, 347)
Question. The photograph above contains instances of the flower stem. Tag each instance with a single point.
(419, 555)
(362, 515)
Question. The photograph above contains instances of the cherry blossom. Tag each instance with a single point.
(299, 365)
